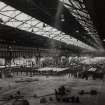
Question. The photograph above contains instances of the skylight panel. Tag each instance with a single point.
(76, 4)
(22, 17)
(13, 23)
(2, 5)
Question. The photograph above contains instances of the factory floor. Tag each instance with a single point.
(43, 86)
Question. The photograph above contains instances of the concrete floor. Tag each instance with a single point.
(46, 86)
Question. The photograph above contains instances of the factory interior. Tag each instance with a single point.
(52, 52)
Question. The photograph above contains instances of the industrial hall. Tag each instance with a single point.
(52, 52)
